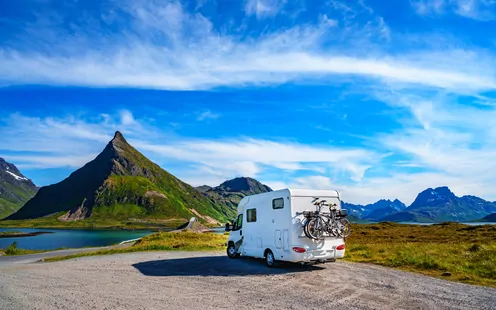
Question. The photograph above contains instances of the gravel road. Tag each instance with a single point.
(186, 280)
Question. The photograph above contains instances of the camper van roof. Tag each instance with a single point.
(313, 192)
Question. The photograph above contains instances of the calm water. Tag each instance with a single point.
(69, 238)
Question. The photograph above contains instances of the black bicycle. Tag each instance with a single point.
(319, 224)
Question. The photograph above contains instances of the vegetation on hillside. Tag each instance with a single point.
(461, 252)
(13, 197)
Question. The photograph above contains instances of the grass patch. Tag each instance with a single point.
(466, 252)
(10, 233)
(14, 250)
(164, 241)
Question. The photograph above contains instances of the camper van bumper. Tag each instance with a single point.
(318, 255)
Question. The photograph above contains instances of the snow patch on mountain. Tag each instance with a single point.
(16, 176)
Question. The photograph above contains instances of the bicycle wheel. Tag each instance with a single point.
(305, 228)
(344, 227)
(332, 229)
(316, 228)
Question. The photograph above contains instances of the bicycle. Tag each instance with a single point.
(315, 225)
(318, 223)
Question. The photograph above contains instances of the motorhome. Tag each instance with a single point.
(270, 226)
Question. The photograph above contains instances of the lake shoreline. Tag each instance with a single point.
(23, 234)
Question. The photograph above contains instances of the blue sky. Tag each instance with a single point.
(376, 99)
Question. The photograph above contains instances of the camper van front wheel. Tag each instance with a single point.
(231, 251)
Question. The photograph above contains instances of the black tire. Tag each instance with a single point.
(231, 251)
(270, 259)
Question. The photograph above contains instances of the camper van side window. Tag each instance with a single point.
(251, 215)
(278, 203)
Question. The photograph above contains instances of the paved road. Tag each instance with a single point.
(31, 258)
(190, 280)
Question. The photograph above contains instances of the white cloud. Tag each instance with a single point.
(263, 8)
(70, 142)
(63, 142)
(441, 140)
(169, 48)
(428, 7)
(443, 152)
(482, 10)
(244, 156)
(127, 118)
(206, 115)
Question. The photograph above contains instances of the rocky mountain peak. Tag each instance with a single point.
(244, 184)
(444, 191)
(434, 196)
(118, 137)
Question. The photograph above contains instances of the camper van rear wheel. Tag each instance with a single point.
(231, 251)
(270, 259)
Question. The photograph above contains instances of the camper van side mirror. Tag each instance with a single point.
(229, 227)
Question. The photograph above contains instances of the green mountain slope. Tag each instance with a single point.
(227, 195)
(15, 189)
(120, 183)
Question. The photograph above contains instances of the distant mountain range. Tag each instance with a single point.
(122, 184)
(15, 189)
(375, 211)
(431, 205)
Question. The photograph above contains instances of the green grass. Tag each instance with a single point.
(9, 233)
(14, 250)
(467, 252)
(164, 241)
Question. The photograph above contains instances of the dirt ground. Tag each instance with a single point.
(188, 280)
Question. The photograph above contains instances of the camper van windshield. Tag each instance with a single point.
(239, 222)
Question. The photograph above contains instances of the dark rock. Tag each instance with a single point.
(446, 274)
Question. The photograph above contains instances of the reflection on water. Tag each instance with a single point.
(69, 238)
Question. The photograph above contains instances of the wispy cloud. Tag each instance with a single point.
(439, 89)
(206, 115)
(167, 47)
(264, 8)
(446, 153)
(71, 143)
(482, 10)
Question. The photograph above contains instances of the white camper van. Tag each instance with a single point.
(270, 226)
